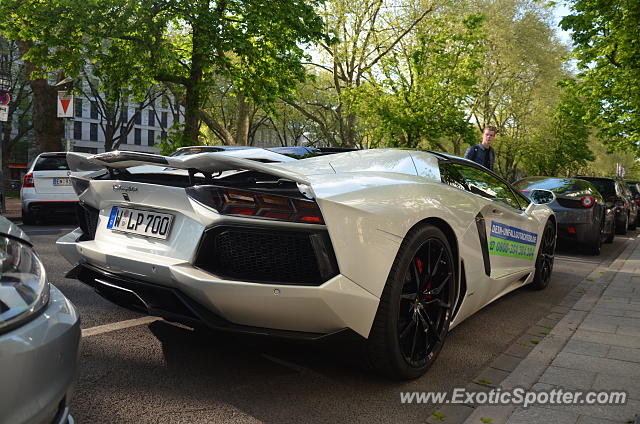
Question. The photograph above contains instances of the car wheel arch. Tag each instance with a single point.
(444, 226)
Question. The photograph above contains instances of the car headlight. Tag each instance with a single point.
(24, 289)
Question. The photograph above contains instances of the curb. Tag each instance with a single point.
(531, 362)
(527, 373)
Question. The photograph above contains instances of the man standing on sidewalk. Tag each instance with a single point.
(482, 153)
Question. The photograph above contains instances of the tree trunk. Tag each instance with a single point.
(7, 147)
(48, 128)
(193, 90)
(242, 136)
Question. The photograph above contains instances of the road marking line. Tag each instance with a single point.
(115, 326)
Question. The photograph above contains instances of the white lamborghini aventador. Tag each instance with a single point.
(397, 246)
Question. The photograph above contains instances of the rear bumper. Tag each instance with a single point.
(52, 208)
(41, 204)
(38, 363)
(177, 290)
(582, 233)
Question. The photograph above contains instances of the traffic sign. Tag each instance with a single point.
(65, 104)
(4, 98)
(4, 113)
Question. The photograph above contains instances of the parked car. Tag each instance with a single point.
(619, 198)
(634, 187)
(194, 150)
(389, 244)
(303, 152)
(46, 189)
(251, 152)
(39, 337)
(583, 215)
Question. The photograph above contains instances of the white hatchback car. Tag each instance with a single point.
(46, 188)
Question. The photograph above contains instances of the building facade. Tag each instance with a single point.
(85, 131)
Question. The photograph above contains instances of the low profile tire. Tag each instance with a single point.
(594, 247)
(623, 228)
(28, 218)
(610, 237)
(545, 258)
(414, 313)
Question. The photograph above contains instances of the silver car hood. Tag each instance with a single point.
(12, 230)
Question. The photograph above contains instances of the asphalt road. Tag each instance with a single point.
(164, 373)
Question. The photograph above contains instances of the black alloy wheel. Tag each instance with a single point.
(545, 258)
(415, 309)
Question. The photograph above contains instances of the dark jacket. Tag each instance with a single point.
(476, 153)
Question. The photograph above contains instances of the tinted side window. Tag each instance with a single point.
(449, 174)
(51, 163)
(486, 185)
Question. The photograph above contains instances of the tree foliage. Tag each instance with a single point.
(258, 45)
(606, 37)
(561, 146)
(418, 95)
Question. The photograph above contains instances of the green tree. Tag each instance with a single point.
(517, 83)
(561, 146)
(258, 45)
(418, 95)
(366, 31)
(19, 124)
(605, 37)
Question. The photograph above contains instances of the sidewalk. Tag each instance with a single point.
(13, 209)
(595, 346)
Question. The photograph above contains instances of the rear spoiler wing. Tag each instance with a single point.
(209, 163)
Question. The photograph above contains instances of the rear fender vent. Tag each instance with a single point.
(87, 221)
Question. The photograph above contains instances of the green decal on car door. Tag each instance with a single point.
(513, 242)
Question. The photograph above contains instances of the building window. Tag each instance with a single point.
(152, 119)
(94, 110)
(124, 115)
(123, 134)
(78, 109)
(137, 136)
(163, 135)
(164, 119)
(138, 119)
(93, 132)
(151, 138)
(77, 130)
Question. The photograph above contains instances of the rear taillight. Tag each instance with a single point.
(587, 201)
(27, 181)
(229, 201)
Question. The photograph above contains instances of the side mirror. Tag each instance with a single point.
(542, 197)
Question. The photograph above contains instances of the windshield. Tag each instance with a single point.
(51, 163)
(605, 187)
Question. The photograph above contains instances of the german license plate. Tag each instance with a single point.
(61, 181)
(141, 222)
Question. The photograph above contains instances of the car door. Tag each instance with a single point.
(510, 233)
